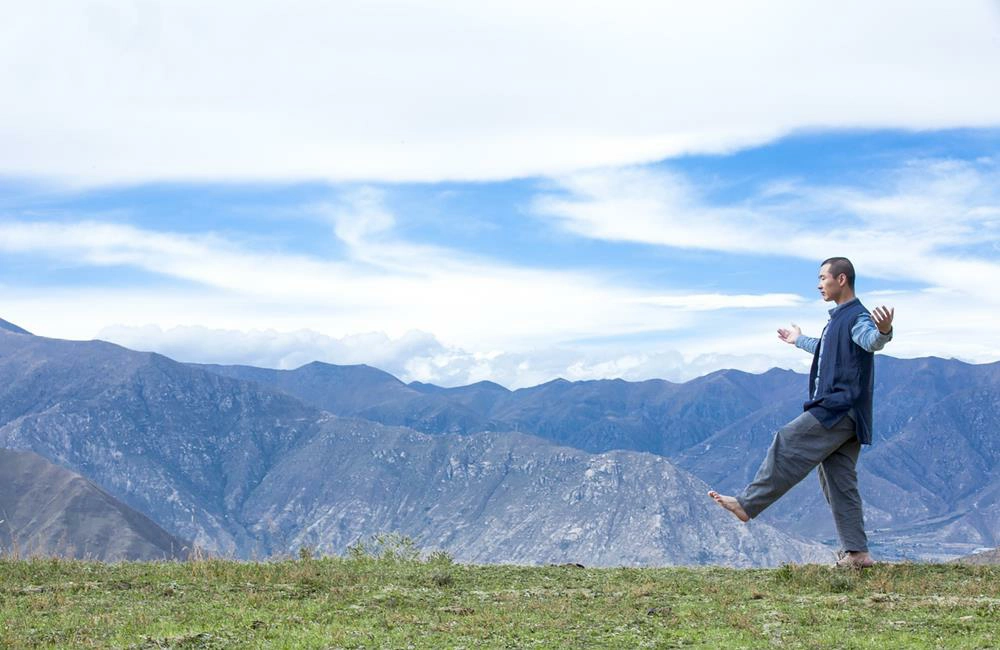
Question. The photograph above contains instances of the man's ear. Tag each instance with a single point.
(842, 279)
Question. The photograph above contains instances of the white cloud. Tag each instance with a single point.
(204, 258)
(434, 314)
(360, 217)
(274, 349)
(916, 227)
(929, 322)
(713, 301)
(381, 284)
(654, 207)
(930, 222)
(428, 90)
(418, 356)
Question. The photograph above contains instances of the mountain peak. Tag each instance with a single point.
(11, 327)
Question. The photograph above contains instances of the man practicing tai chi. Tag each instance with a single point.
(837, 418)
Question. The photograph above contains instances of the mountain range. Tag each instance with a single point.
(930, 480)
(656, 416)
(248, 471)
(251, 461)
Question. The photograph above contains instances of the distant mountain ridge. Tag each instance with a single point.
(929, 481)
(11, 327)
(598, 415)
(245, 470)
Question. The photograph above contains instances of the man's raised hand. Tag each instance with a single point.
(883, 318)
(790, 336)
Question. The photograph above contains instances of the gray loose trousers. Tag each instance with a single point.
(797, 448)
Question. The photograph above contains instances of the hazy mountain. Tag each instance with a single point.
(189, 445)
(181, 445)
(355, 388)
(929, 480)
(247, 470)
(11, 327)
(369, 393)
(656, 415)
(49, 510)
(503, 498)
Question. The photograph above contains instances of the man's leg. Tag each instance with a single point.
(839, 479)
(797, 448)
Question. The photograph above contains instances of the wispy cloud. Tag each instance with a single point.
(277, 349)
(419, 356)
(206, 259)
(415, 90)
(920, 224)
(430, 312)
(649, 206)
(714, 301)
(930, 223)
(381, 283)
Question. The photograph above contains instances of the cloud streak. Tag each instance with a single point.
(715, 301)
(430, 90)
(929, 227)
(380, 284)
(419, 356)
(908, 229)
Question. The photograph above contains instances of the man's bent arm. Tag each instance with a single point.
(807, 343)
(866, 334)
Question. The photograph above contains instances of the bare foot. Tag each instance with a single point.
(730, 504)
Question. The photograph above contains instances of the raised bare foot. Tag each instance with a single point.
(730, 504)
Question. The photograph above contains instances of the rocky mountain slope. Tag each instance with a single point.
(245, 470)
(655, 415)
(930, 479)
(180, 445)
(48, 510)
(199, 440)
(509, 497)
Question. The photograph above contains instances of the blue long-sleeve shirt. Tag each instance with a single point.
(864, 332)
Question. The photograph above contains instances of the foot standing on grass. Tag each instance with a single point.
(837, 418)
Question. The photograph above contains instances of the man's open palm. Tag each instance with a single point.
(883, 318)
(790, 335)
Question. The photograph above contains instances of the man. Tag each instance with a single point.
(837, 418)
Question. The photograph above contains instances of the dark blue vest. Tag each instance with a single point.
(846, 375)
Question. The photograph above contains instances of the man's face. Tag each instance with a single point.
(830, 287)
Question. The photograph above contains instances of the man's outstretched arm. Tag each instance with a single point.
(794, 337)
(807, 343)
(873, 331)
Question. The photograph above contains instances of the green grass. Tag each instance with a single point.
(394, 600)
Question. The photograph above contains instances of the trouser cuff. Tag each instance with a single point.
(751, 512)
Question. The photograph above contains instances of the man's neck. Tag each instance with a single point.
(847, 296)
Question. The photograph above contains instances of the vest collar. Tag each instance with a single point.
(842, 306)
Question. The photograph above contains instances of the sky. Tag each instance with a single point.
(456, 192)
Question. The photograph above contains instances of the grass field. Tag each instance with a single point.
(388, 598)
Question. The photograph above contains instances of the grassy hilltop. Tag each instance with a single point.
(390, 598)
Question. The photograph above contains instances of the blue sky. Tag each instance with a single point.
(454, 234)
